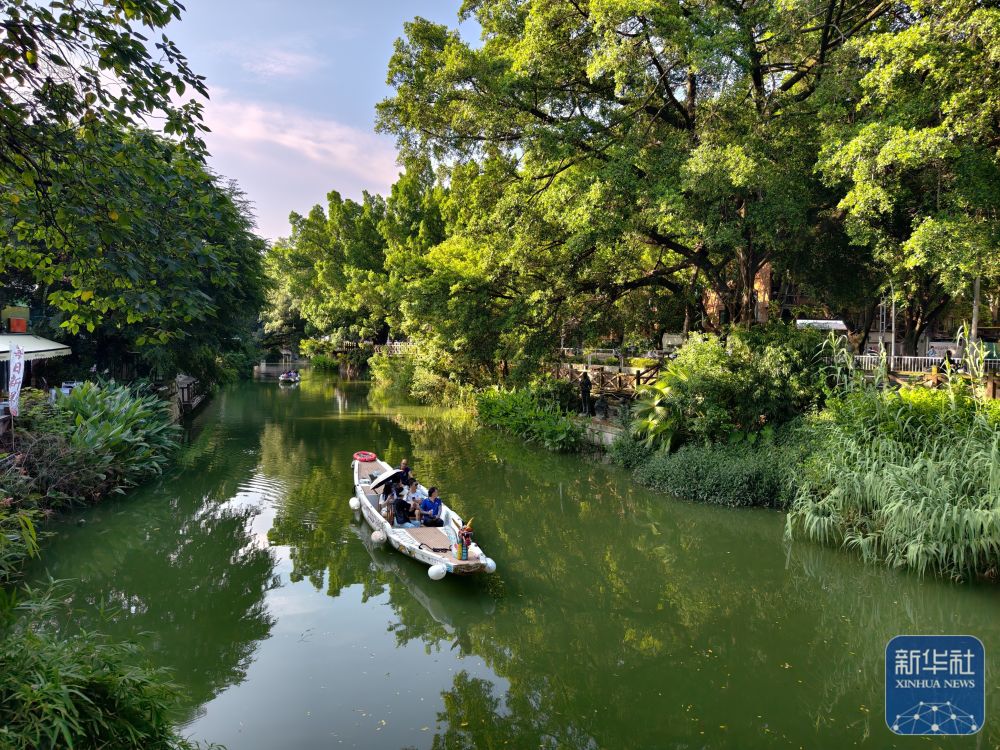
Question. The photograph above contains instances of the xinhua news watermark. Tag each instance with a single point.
(935, 684)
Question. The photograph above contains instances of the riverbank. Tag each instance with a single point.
(760, 421)
(60, 688)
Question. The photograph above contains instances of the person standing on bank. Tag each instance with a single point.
(585, 393)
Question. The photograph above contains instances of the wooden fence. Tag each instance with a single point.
(619, 382)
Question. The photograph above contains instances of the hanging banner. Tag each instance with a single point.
(16, 376)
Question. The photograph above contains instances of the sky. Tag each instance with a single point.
(293, 90)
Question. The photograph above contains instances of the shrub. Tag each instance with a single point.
(18, 540)
(628, 451)
(520, 413)
(642, 362)
(559, 393)
(131, 435)
(716, 389)
(323, 362)
(733, 475)
(393, 374)
(78, 691)
(98, 439)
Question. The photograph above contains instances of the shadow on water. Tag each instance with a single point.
(618, 618)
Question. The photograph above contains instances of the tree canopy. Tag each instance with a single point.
(615, 169)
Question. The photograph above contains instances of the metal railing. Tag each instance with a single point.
(871, 362)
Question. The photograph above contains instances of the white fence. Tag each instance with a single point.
(871, 362)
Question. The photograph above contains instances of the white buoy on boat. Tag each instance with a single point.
(437, 572)
(490, 565)
(354, 503)
(378, 536)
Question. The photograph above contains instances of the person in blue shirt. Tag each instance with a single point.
(430, 509)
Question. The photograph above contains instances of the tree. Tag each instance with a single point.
(915, 146)
(70, 75)
(178, 277)
(620, 146)
(334, 267)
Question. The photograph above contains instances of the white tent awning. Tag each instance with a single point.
(35, 347)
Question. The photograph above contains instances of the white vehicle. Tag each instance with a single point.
(433, 546)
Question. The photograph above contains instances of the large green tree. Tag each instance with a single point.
(333, 267)
(603, 148)
(913, 138)
(73, 77)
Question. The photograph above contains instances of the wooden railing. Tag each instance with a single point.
(617, 382)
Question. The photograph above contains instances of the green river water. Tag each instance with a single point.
(618, 618)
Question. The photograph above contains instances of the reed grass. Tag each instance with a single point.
(909, 478)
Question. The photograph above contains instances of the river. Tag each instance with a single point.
(618, 618)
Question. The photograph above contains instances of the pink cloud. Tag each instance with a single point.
(286, 159)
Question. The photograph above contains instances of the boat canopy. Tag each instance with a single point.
(35, 347)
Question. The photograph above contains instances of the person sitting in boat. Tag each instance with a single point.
(414, 492)
(404, 467)
(430, 509)
(403, 513)
(389, 494)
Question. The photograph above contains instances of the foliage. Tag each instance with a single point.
(734, 475)
(75, 76)
(77, 691)
(628, 451)
(18, 539)
(96, 440)
(521, 413)
(910, 478)
(323, 362)
(717, 390)
(555, 391)
(910, 137)
(133, 433)
(333, 267)
(194, 281)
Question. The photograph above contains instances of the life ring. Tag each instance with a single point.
(364, 456)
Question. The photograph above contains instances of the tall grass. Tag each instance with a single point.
(77, 691)
(910, 478)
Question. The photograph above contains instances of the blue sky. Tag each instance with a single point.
(293, 91)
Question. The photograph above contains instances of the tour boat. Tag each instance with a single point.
(433, 546)
(289, 378)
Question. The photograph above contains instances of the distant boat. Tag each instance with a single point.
(289, 377)
(433, 546)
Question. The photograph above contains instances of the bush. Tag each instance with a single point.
(715, 390)
(98, 439)
(78, 691)
(556, 392)
(323, 362)
(733, 475)
(628, 451)
(18, 540)
(394, 374)
(131, 435)
(520, 413)
(642, 362)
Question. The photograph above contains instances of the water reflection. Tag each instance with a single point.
(182, 573)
